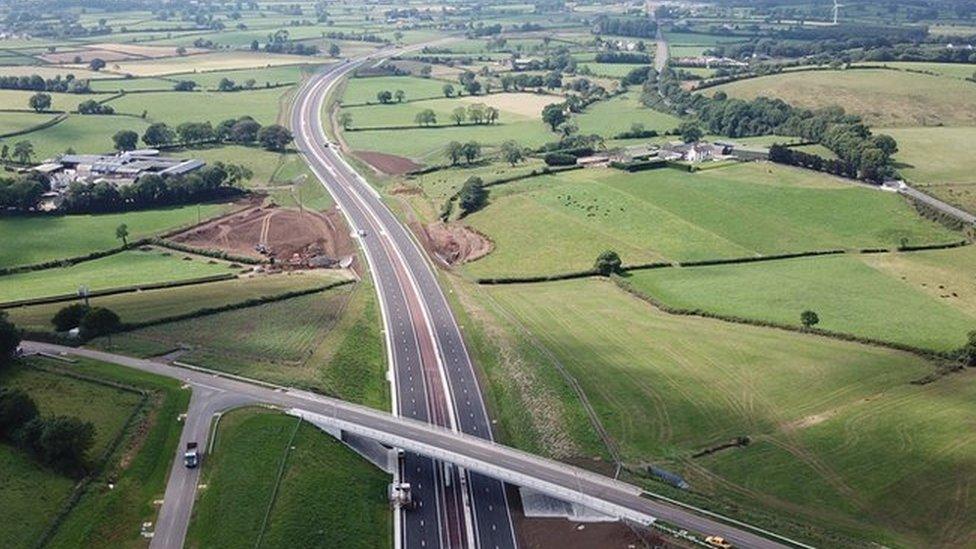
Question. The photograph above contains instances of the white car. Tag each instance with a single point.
(362, 232)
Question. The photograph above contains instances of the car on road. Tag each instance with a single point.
(191, 458)
(361, 232)
(716, 541)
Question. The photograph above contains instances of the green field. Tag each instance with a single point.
(11, 122)
(925, 299)
(952, 70)
(33, 495)
(328, 342)
(738, 211)
(131, 84)
(155, 304)
(882, 97)
(89, 134)
(287, 74)
(327, 496)
(364, 90)
(612, 70)
(38, 239)
(115, 271)
(839, 436)
(613, 116)
(175, 108)
(17, 100)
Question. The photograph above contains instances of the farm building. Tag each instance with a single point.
(122, 168)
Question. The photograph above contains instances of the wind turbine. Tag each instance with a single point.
(837, 7)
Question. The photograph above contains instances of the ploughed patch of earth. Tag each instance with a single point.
(288, 235)
(454, 243)
(389, 164)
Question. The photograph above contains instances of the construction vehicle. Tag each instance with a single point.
(191, 458)
(716, 541)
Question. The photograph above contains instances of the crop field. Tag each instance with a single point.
(611, 117)
(737, 211)
(155, 304)
(882, 97)
(514, 107)
(924, 299)
(206, 62)
(329, 342)
(177, 107)
(271, 76)
(37, 239)
(82, 133)
(30, 494)
(827, 418)
(327, 496)
(364, 90)
(115, 271)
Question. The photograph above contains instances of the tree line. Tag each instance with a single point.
(641, 27)
(244, 131)
(34, 82)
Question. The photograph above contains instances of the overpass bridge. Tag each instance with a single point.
(556, 479)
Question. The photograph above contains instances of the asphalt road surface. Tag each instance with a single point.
(434, 378)
(489, 458)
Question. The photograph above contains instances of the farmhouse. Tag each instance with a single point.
(696, 152)
(121, 169)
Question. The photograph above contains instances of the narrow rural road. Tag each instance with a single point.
(433, 377)
(947, 209)
(550, 477)
(174, 515)
(662, 53)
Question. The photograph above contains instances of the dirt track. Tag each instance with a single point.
(285, 231)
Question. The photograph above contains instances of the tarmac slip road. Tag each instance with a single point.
(434, 379)
(490, 459)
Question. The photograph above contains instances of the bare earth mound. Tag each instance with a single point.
(286, 233)
(389, 164)
(455, 243)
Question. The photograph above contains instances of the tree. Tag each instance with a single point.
(345, 119)
(96, 64)
(334, 50)
(458, 115)
(491, 115)
(4, 152)
(568, 128)
(39, 102)
(809, 319)
(23, 151)
(99, 321)
(384, 96)
(448, 90)
(9, 339)
(512, 152)
(608, 263)
(245, 130)
(471, 151)
(476, 113)
(426, 117)
(158, 134)
(454, 151)
(400, 96)
(274, 137)
(122, 233)
(17, 408)
(968, 353)
(69, 317)
(873, 164)
(690, 132)
(554, 115)
(473, 87)
(472, 196)
(64, 441)
(125, 140)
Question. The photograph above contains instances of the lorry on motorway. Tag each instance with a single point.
(191, 457)
(400, 495)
